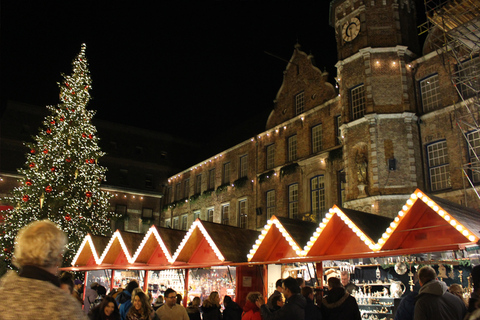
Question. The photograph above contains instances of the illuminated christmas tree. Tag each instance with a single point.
(61, 177)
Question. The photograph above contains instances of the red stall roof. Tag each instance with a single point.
(88, 255)
(281, 238)
(120, 249)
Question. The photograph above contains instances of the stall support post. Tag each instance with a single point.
(112, 277)
(265, 283)
(185, 288)
(145, 282)
(319, 267)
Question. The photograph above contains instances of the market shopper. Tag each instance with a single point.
(434, 301)
(90, 296)
(193, 310)
(158, 303)
(232, 310)
(34, 292)
(346, 283)
(278, 291)
(106, 310)
(251, 311)
(141, 308)
(294, 307)
(171, 310)
(126, 295)
(339, 304)
(278, 302)
(125, 307)
(406, 308)
(312, 311)
(211, 307)
(475, 296)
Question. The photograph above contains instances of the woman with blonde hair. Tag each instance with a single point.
(251, 310)
(211, 307)
(141, 308)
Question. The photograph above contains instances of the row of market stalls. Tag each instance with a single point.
(381, 254)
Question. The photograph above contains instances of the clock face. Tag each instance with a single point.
(350, 29)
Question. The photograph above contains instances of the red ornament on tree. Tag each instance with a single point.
(28, 182)
(84, 135)
(62, 119)
(68, 160)
(49, 131)
(45, 151)
(92, 161)
(25, 198)
(32, 165)
(49, 189)
(52, 122)
(32, 151)
(53, 169)
(90, 136)
(68, 218)
(88, 194)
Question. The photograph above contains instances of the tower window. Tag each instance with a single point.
(299, 103)
(317, 135)
(270, 156)
(292, 148)
(438, 166)
(357, 98)
(430, 90)
(293, 201)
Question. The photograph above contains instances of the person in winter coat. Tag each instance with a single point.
(106, 310)
(141, 308)
(34, 292)
(193, 310)
(294, 307)
(126, 295)
(250, 310)
(211, 307)
(277, 302)
(339, 304)
(434, 301)
(278, 291)
(232, 310)
(125, 307)
(406, 308)
(312, 311)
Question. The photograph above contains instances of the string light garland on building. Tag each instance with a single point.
(61, 177)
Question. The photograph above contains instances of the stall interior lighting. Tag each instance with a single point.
(153, 231)
(88, 239)
(285, 234)
(118, 236)
(335, 210)
(198, 224)
(418, 195)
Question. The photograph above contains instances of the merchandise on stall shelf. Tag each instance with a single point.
(159, 281)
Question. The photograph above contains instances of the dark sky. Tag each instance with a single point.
(191, 68)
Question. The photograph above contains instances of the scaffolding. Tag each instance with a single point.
(454, 30)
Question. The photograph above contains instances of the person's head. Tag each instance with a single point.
(333, 282)
(132, 285)
(159, 300)
(135, 292)
(476, 277)
(78, 284)
(456, 289)
(179, 298)
(426, 274)
(301, 282)
(278, 285)
(226, 300)
(254, 296)
(196, 302)
(278, 301)
(140, 303)
(109, 307)
(101, 291)
(66, 282)
(344, 277)
(307, 292)
(290, 287)
(41, 244)
(214, 298)
(170, 297)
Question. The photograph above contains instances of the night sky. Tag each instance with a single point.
(195, 69)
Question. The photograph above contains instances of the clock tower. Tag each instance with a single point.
(376, 42)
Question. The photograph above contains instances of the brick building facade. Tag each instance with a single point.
(387, 129)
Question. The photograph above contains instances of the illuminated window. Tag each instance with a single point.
(198, 184)
(430, 91)
(211, 179)
(168, 223)
(292, 148)
(317, 191)
(175, 223)
(270, 156)
(438, 165)
(357, 96)
(243, 166)
(474, 153)
(317, 135)
(226, 214)
(226, 173)
(293, 201)
(242, 213)
(299, 103)
(270, 203)
(184, 225)
(210, 212)
(196, 215)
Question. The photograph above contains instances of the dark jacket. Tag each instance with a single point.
(312, 312)
(406, 308)
(294, 308)
(96, 314)
(434, 302)
(339, 305)
(193, 313)
(123, 296)
(232, 311)
(211, 313)
(269, 301)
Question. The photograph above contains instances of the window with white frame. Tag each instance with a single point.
(242, 213)
(317, 191)
(183, 225)
(270, 156)
(299, 103)
(211, 179)
(438, 165)
(186, 188)
(168, 223)
(196, 215)
(293, 201)
(292, 148)
(226, 173)
(474, 153)
(176, 223)
(338, 132)
(226, 214)
(357, 101)
(210, 212)
(270, 203)
(198, 184)
(243, 166)
(468, 77)
(317, 136)
(430, 91)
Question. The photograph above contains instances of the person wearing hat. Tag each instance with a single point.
(77, 290)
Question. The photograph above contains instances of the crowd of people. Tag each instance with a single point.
(36, 292)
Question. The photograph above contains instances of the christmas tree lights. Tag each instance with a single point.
(61, 177)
